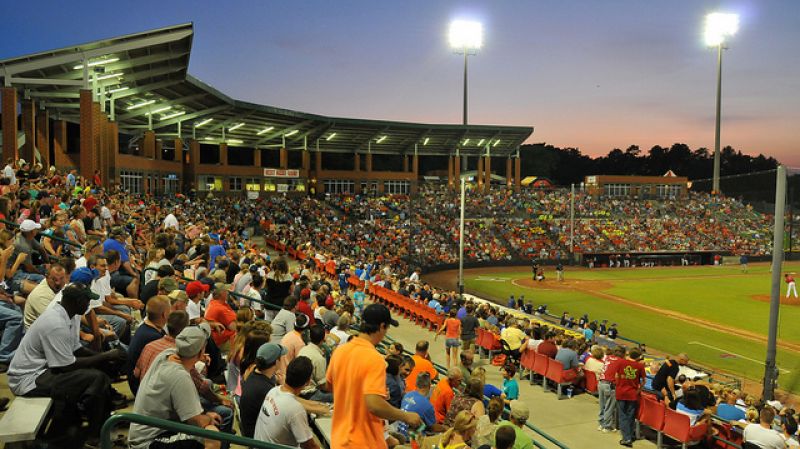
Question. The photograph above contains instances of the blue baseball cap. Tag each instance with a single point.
(84, 275)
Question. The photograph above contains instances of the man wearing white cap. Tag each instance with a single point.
(167, 391)
(26, 244)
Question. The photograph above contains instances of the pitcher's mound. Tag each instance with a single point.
(790, 301)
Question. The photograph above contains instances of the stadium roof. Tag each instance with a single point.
(144, 79)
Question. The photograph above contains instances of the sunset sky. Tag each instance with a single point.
(590, 74)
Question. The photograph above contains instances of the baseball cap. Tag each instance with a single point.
(377, 314)
(520, 410)
(195, 287)
(76, 290)
(270, 352)
(305, 293)
(29, 225)
(219, 276)
(84, 275)
(192, 339)
(168, 285)
(178, 295)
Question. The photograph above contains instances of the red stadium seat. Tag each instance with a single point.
(527, 361)
(677, 427)
(555, 372)
(651, 414)
(540, 363)
(591, 382)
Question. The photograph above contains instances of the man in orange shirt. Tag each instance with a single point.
(219, 311)
(444, 393)
(357, 372)
(422, 364)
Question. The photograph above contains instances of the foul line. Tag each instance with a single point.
(737, 355)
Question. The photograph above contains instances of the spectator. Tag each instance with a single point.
(417, 402)
(469, 325)
(284, 321)
(257, 383)
(607, 421)
(51, 362)
(487, 425)
(470, 400)
(510, 385)
(629, 378)
(293, 342)
(762, 434)
(176, 322)
(422, 364)
(443, 394)
(124, 278)
(168, 393)
(219, 311)
(461, 433)
(152, 329)
(359, 380)
(282, 420)
(452, 327)
(318, 389)
(516, 419)
(515, 338)
(664, 379)
(43, 294)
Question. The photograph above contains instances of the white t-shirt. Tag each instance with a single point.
(81, 262)
(765, 438)
(282, 420)
(253, 293)
(171, 222)
(194, 310)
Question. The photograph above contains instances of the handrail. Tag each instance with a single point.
(442, 370)
(116, 419)
(50, 236)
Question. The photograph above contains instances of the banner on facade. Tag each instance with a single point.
(252, 194)
(281, 173)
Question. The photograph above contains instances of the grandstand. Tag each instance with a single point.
(156, 197)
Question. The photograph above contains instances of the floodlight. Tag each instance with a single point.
(291, 133)
(204, 122)
(496, 143)
(234, 141)
(118, 89)
(236, 126)
(327, 139)
(719, 26)
(466, 35)
(382, 139)
(141, 105)
(466, 142)
(480, 142)
(96, 63)
(173, 115)
(265, 130)
(426, 140)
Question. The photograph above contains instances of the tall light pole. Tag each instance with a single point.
(467, 37)
(718, 27)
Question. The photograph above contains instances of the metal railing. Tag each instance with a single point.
(106, 441)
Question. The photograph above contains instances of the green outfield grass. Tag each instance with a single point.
(720, 294)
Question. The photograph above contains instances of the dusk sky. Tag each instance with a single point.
(590, 74)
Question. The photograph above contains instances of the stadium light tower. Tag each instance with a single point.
(465, 37)
(719, 26)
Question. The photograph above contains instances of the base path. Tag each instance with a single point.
(448, 279)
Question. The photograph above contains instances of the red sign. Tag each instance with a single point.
(281, 173)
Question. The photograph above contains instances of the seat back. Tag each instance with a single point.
(527, 359)
(591, 381)
(676, 425)
(540, 363)
(653, 414)
(555, 371)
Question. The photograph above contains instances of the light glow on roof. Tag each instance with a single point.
(236, 126)
(480, 142)
(496, 143)
(162, 109)
(141, 105)
(118, 89)
(328, 139)
(265, 130)
(234, 141)
(96, 63)
(108, 76)
(382, 139)
(427, 139)
(291, 133)
(173, 115)
(204, 122)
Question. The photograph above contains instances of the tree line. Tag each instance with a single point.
(564, 166)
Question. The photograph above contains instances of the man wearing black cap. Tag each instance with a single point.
(51, 362)
(357, 372)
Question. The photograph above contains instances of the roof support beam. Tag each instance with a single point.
(46, 81)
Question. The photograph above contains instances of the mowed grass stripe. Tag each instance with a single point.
(657, 331)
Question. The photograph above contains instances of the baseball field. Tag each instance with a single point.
(718, 315)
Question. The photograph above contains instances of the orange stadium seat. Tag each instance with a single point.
(677, 426)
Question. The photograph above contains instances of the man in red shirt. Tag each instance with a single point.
(605, 390)
(220, 312)
(790, 285)
(445, 391)
(629, 376)
(548, 346)
(305, 308)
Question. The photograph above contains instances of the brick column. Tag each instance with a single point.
(509, 174)
(284, 158)
(43, 137)
(306, 162)
(178, 156)
(369, 164)
(223, 154)
(479, 174)
(405, 163)
(97, 141)
(317, 163)
(415, 171)
(190, 165)
(149, 145)
(450, 172)
(357, 162)
(159, 153)
(59, 137)
(29, 127)
(257, 157)
(110, 173)
(102, 155)
(9, 111)
(517, 174)
(87, 125)
(487, 171)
